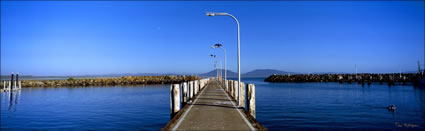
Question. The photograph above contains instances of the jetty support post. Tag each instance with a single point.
(10, 86)
(226, 84)
(188, 91)
(195, 87)
(4, 85)
(251, 99)
(191, 89)
(198, 84)
(184, 87)
(16, 81)
(242, 95)
(171, 101)
(201, 84)
(235, 93)
(174, 99)
(194, 90)
(11, 79)
(230, 86)
(20, 87)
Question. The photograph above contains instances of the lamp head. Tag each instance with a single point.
(214, 14)
(210, 14)
(218, 45)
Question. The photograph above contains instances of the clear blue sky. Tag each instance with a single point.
(97, 37)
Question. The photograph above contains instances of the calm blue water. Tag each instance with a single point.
(279, 106)
(101, 108)
(334, 106)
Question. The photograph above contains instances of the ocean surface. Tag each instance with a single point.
(297, 106)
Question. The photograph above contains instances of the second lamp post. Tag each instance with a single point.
(225, 60)
(239, 58)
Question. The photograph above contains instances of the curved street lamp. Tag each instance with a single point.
(239, 58)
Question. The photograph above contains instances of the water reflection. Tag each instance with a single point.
(13, 99)
(103, 108)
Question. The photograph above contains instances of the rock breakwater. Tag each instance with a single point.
(127, 80)
(391, 79)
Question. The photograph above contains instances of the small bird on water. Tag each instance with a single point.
(391, 108)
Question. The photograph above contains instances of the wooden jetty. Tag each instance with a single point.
(209, 104)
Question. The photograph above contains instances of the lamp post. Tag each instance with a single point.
(225, 58)
(219, 67)
(215, 65)
(239, 58)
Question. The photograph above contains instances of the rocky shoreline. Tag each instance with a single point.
(126, 80)
(390, 79)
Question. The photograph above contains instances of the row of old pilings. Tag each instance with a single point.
(364, 78)
(181, 94)
(244, 95)
(13, 84)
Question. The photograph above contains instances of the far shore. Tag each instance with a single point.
(106, 81)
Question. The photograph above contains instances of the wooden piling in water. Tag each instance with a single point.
(174, 99)
(196, 86)
(235, 90)
(10, 86)
(242, 95)
(230, 86)
(232, 93)
(11, 80)
(191, 89)
(185, 96)
(226, 84)
(201, 84)
(16, 82)
(251, 99)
